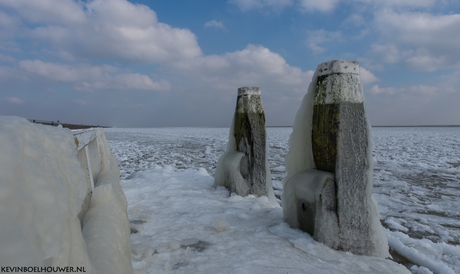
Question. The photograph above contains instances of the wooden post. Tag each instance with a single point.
(250, 136)
(243, 169)
(334, 202)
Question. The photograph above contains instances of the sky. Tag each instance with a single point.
(142, 63)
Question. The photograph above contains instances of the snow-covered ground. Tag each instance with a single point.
(181, 223)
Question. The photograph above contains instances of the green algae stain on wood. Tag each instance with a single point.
(325, 126)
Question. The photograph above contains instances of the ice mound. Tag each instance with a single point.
(42, 191)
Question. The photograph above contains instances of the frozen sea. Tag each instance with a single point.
(180, 223)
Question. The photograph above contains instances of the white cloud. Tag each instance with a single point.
(315, 48)
(422, 41)
(355, 19)
(7, 21)
(330, 5)
(401, 3)
(6, 59)
(49, 11)
(214, 24)
(80, 102)
(246, 5)
(420, 89)
(8, 27)
(322, 5)
(317, 37)
(114, 29)
(139, 81)
(303, 5)
(86, 77)
(61, 73)
(367, 76)
(389, 52)
(213, 81)
(126, 33)
(252, 66)
(14, 101)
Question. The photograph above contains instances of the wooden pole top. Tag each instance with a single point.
(249, 91)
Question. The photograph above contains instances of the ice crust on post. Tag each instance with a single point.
(243, 168)
(328, 186)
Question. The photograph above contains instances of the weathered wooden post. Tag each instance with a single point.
(243, 169)
(332, 197)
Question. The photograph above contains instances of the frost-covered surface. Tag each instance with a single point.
(342, 85)
(415, 170)
(42, 189)
(105, 226)
(338, 67)
(350, 220)
(249, 90)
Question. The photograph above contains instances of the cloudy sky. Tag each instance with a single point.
(143, 63)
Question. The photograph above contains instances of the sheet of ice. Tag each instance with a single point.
(42, 189)
(416, 170)
(41, 192)
(106, 227)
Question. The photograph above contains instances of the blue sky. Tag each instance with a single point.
(179, 63)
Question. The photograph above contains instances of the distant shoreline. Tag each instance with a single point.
(65, 125)
(423, 126)
(82, 126)
(400, 126)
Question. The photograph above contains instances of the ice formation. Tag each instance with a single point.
(243, 168)
(328, 186)
(414, 170)
(42, 192)
(106, 227)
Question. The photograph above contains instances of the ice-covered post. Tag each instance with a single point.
(250, 135)
(332, 198)
(243, 169)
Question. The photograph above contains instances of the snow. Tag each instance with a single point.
(166, 177)
(42, 191)
(219, 233)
